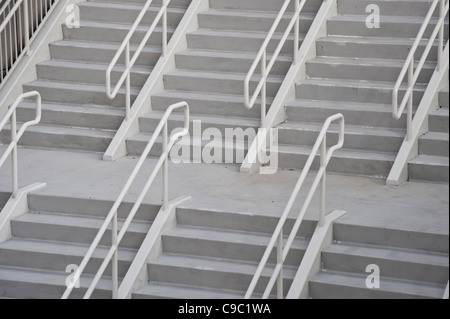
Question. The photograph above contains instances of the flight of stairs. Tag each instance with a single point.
(210, 74)
(76, 113)
(433, 160)
(354, 74)
(411, 264)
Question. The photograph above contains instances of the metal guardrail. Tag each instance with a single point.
(111, 218)
(16, 135)
(261, 57)
(277, 238)
(130, 61)
(20, 20)
(408, 68)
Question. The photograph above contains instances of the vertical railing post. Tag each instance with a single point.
(164, 28)
(410, 99)
(165, 168)
(15, 183)
(115, 261)
(280, 262)
(323, 165)
(128, 82)
(296, 31)
(26, 26)
(441, 34)
(264, 88)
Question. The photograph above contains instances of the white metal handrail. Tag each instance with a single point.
(20, 21)
(16, 135)
(408, 68)
(111, 218)
(129, 62)
(261, 57)
(277, 238)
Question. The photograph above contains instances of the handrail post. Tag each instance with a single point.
(441, 34)
(15, 183)
(165, 168)
(264, 88)
(164, 28)
(26, 26)
(115, 261)
(410, 99)
(280, 262)
(323, 165)
(296, 31)
(128, 82)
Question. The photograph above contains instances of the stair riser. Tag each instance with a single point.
(239, 222)
(218, 249)
(265, 5)
(356, 49)
(362, 118)
(335, 92)
(443, 99)
(352, 141)
(387, 29)
(213, 85)
(388, 268)
(350, 166)
(395, 8)
(173, 3)
(438, 123)
(89, 207)
(74, 119)
(434, 173)
(64, 74)
(216, 64)
(433, 147)
(390, 237)
(96, 55)
(360, 72)
(218, 108)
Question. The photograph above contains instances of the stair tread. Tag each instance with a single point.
(423, 159)
(357, 83)
(230, 54)
(221, 75)
(121, 26)
(342, 105)
(372, 40)
(386, 284)
(127, 6)
(103, 45)
(386, 19)
(241, 34)
(437, 136)
(91, 109)
(255, 14)
(93, 66)
(66, 130)
(367, 62)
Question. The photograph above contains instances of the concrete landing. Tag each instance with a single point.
(413, 206)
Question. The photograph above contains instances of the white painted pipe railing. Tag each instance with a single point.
(277, 238)
(408, 68)
(16, 135)
(116, 237)
(130, 61)
(20, 20)
(261, 57)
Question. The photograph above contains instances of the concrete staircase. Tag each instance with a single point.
(77, 114)
(412, 265)
(433, 160)
(354, 74)
(56, 233)
(210, 74)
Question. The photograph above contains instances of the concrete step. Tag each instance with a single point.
(80, 72)
(73, 229)
(353, 91)
(220, 40)
(210, 272)
(56, 256)
(156, 290)
(393, 26)
(222, 61)
(99, 52)
(94, 117)
(344, 161)
(124, 12)
(383, 70)
(443, 98)
(329, 284)
(250, 20)
(208, 104)
(78, 93)
(371, 47)
(173, 3)
(226, 244)
(438, 120)
(52, 136)
(434, 143)
(387, 7)
(262, 5)
(215, 82)
(113, 32)
(225, 125)
(377, 139)
(429, 168)
(363, 114)
(406, 264)
(29, 283)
